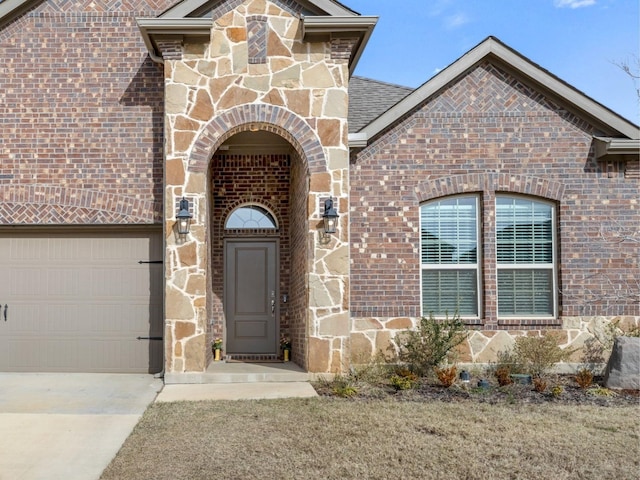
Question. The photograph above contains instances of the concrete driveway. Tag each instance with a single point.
(67, 425)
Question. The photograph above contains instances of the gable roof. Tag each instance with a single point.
(313, 7)
(368, 99)
(321, 20)
(611, 124)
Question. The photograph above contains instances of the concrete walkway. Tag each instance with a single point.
(239, 381)
(235, 391)
(70, 426)
(67, 425)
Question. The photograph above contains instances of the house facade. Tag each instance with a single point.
(494, 191)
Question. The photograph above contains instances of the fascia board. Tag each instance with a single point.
(9, 8)
(177, 26)
(361, 25)
(183, 9)
(357, 140)
(419, 95)
(520, 64)
(606, 146)
(328, 6)
(332, 8)
(564, 91)
(326, 24)
(150, 27)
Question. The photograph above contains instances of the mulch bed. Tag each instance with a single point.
(569, 394)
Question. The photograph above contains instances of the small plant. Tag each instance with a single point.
(404, 379)
(540, 384)
(447, 375)
(399, 382)
(217, 344)
(601, 392)
(584, 378)
(285, 342)
(431, 344)
(343, 387)
(557, 390)
(534, 355)
(503, 375)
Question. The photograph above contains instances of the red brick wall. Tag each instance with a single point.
(490, 133)
(81, 116)
(240, 179)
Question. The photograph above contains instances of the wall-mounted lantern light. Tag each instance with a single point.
(184, 217)
(330, 217)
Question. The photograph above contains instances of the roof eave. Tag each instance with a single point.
(9, 9)
(607, 147)
(327, 7)
(151, 28)
(546, 81)
(328, 26)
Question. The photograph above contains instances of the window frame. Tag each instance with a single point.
(266, 212)
(477, 266)
(552, 267)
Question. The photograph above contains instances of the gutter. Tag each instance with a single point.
(607, 146)
(358, 140)
(184, 27)
(336, 27)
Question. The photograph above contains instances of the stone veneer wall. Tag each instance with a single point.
(374, 335)
(490, 133)
(299, 92)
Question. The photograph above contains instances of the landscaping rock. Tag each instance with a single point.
(623, 368)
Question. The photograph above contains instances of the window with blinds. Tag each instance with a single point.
(525, 257)
(449, 256)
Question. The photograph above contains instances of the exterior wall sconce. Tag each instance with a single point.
(330, 217)
(184, 217)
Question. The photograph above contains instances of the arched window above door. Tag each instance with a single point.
(250, 217)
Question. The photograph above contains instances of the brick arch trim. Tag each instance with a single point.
(271, 118)
(55, 204)
(490, 182)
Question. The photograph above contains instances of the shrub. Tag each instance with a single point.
(539, 384)
(447, 375)
(584, 378)
(431, 344)
(343, 387)
(557, 391)
(400, 382)
(601, 392)
(538, 355)
(503, 375)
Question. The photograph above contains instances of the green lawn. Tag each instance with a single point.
(330, 438)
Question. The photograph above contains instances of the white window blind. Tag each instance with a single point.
(449, 256)
(525, 257)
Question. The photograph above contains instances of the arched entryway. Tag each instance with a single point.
(258, 191)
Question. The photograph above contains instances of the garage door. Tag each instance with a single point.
(81, 302)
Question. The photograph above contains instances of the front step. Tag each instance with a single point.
(239, 372)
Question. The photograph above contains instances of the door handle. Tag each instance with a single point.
(5, 312)
(273, 306)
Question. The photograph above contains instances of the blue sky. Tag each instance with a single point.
(577, 40)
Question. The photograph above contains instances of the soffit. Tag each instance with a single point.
(600, 116)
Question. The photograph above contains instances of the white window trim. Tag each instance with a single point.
(531, 266)
(456, 266)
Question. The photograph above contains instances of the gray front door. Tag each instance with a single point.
(251, 306)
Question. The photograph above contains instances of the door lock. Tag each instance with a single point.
(273, 306)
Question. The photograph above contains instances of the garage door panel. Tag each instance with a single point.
(80, 302)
